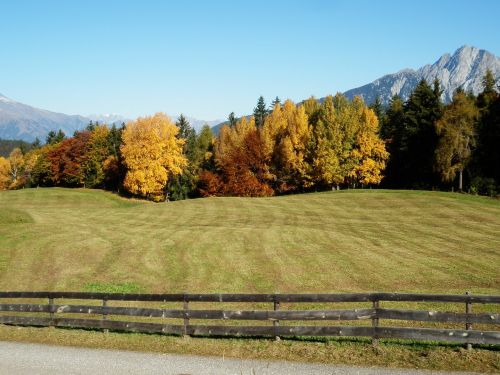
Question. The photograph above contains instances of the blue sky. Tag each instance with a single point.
(208, 58)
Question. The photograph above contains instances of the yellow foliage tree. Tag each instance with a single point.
(232, 138)
(16, 160)
(285, 136)
(4, 173)
(327, 146)
(97, 152)
(369, 151)
(151, 152)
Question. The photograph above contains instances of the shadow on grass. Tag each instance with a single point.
(336, 341)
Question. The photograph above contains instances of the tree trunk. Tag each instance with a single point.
(460, 173)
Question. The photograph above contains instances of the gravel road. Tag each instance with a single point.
(34, 359)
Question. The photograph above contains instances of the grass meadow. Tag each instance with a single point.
(343, 241)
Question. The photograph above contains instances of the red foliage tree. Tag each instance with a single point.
(245, 170)
(67, 158)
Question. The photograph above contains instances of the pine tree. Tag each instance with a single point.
(486, 158)
(260, 112)
(53, 137)
(232, 119)
(419, 140)
(184, 126)
(36, 143)
(393, 132)
(378, 109)
(273, 103)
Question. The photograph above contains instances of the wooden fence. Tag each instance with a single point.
(107, 315)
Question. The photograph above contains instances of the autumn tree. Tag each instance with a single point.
(456, 131)
(326, 145)
(4, 173)
(67, 160)
(97, 151)
(39, 167)
(16, 162)
(151, 152)
(241, 162)
(285, 137)
(369, 151)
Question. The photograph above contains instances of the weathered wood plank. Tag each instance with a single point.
(356, 314)
(446, 335)
(93, 324)
(202, 330)
(438, 316)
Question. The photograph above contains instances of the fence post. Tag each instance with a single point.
(186, 313)
(376, 305)
(276, 322)
(104, 313)
(51, 311)
(468, 325)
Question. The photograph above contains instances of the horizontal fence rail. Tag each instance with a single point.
(47, 315)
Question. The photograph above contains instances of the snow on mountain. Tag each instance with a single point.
(21, 121)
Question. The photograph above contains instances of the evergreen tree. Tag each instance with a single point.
(91, 126)
(392, 132)
(183, 185)
(378, 109)
(274, 102)
(260, 112)
(420, 139)
(53, 137)
(486, 158)
(232, 120)
(36, 143)
(184, 127)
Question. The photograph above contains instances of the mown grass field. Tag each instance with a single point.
(365, 240)
(347, 241)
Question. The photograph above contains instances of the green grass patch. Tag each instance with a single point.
(96, 287)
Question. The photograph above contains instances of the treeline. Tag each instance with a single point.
(284, 148)
(437, 146)
(7, 145)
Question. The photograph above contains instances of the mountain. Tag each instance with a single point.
(465, 68)
(108, 118)
(21, 121)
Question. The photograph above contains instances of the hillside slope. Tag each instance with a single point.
(366, 240)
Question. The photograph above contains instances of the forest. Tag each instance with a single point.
(283, 148)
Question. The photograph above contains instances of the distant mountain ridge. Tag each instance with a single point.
(23, 122)
(465, 68)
